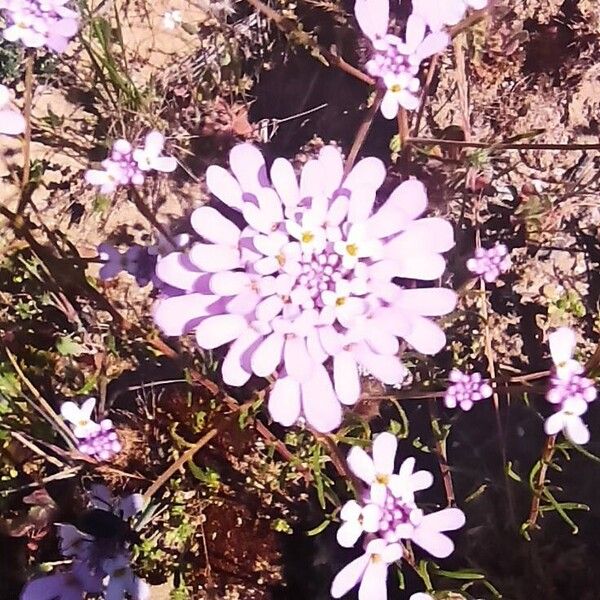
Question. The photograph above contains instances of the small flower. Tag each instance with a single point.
(357, 520)
(122, 580)
(113, 261)
(466, 389)
(378, 471)
(490, 263)
(568, 420)
(103, 444)
(562, 344)
(150, 158)
(80, 417)
(370, 569)
(172, 20)
(11, 120)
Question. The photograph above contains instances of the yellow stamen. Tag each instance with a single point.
(307, 237)
(340, 301)
(383, 479)
(352, 249)
(396, 88)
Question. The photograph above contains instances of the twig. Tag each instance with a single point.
(500, 145)
(363, 131)
(57, 423)
(546, 459)
(424, 93)
(174, 467)
(441, 453)
(36, 449)
(25, 195)
(287, 27)
(65, 474)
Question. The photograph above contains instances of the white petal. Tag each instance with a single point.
(349, 576)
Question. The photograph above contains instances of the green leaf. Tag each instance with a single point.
(469, 575)
(319, 528)
(67, 346)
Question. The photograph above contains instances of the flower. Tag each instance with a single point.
(98, 440)
(562, 344)
(568, 419)
(38, 23)
(569, 389)
(370, 570)
(127, 166)
(357, 520)
(149, 157)
(122, 581)
(172, 19)
(11, 120)
(70, 585)
(378, 472)
(396, 61)
(80, 417)
(275, 288)
(466, 389)
(490, 263)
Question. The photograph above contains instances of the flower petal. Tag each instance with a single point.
(374, 582)
(267, 356)
(384, 453)
(348, 533)
(214, 227)
(562, 344)
(346, 378)
(235, 370)
(214, 257)
(430, 302)
(247, 164)
(320, 405)
(349, 576)
(361, 464)
(284, 401)
(285, 182)
(423, 235)
(224, 186)
(176, 315)
(372, 17)
(425, 336)
(219, 329)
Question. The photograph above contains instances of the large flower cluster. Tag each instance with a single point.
(98, 440)
(11, 120)
(38, 23)
(570, 391)
(301, 281)
(127, 165)
(387, 513)
(100, 563)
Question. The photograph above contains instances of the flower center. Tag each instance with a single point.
(307, 237)
(340, 301)
(352, 249)
(395, 88)
(383, 479)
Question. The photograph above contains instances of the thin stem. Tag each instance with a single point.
(424, 93)
(441, 452)
(363, 131)
(147, 213)
(29, 60)
(500, 145)
(546, 459)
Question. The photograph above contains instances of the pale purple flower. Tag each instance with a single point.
(568, 420)
(439, 14)
(127, 165)
(149, 158)
(113, 261)
(172, 19)
(11, 120)
(490, 263)
(122, 580)
(562, 344)
(73, 584)
(370, 569)
(378, 471)
(466, 389)
(98, 440)
(74, 543)
(304, 291)
(569, 389)
(38, 23)
(421, 596)
(80, 417)
(357, 520)
(395, 61)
